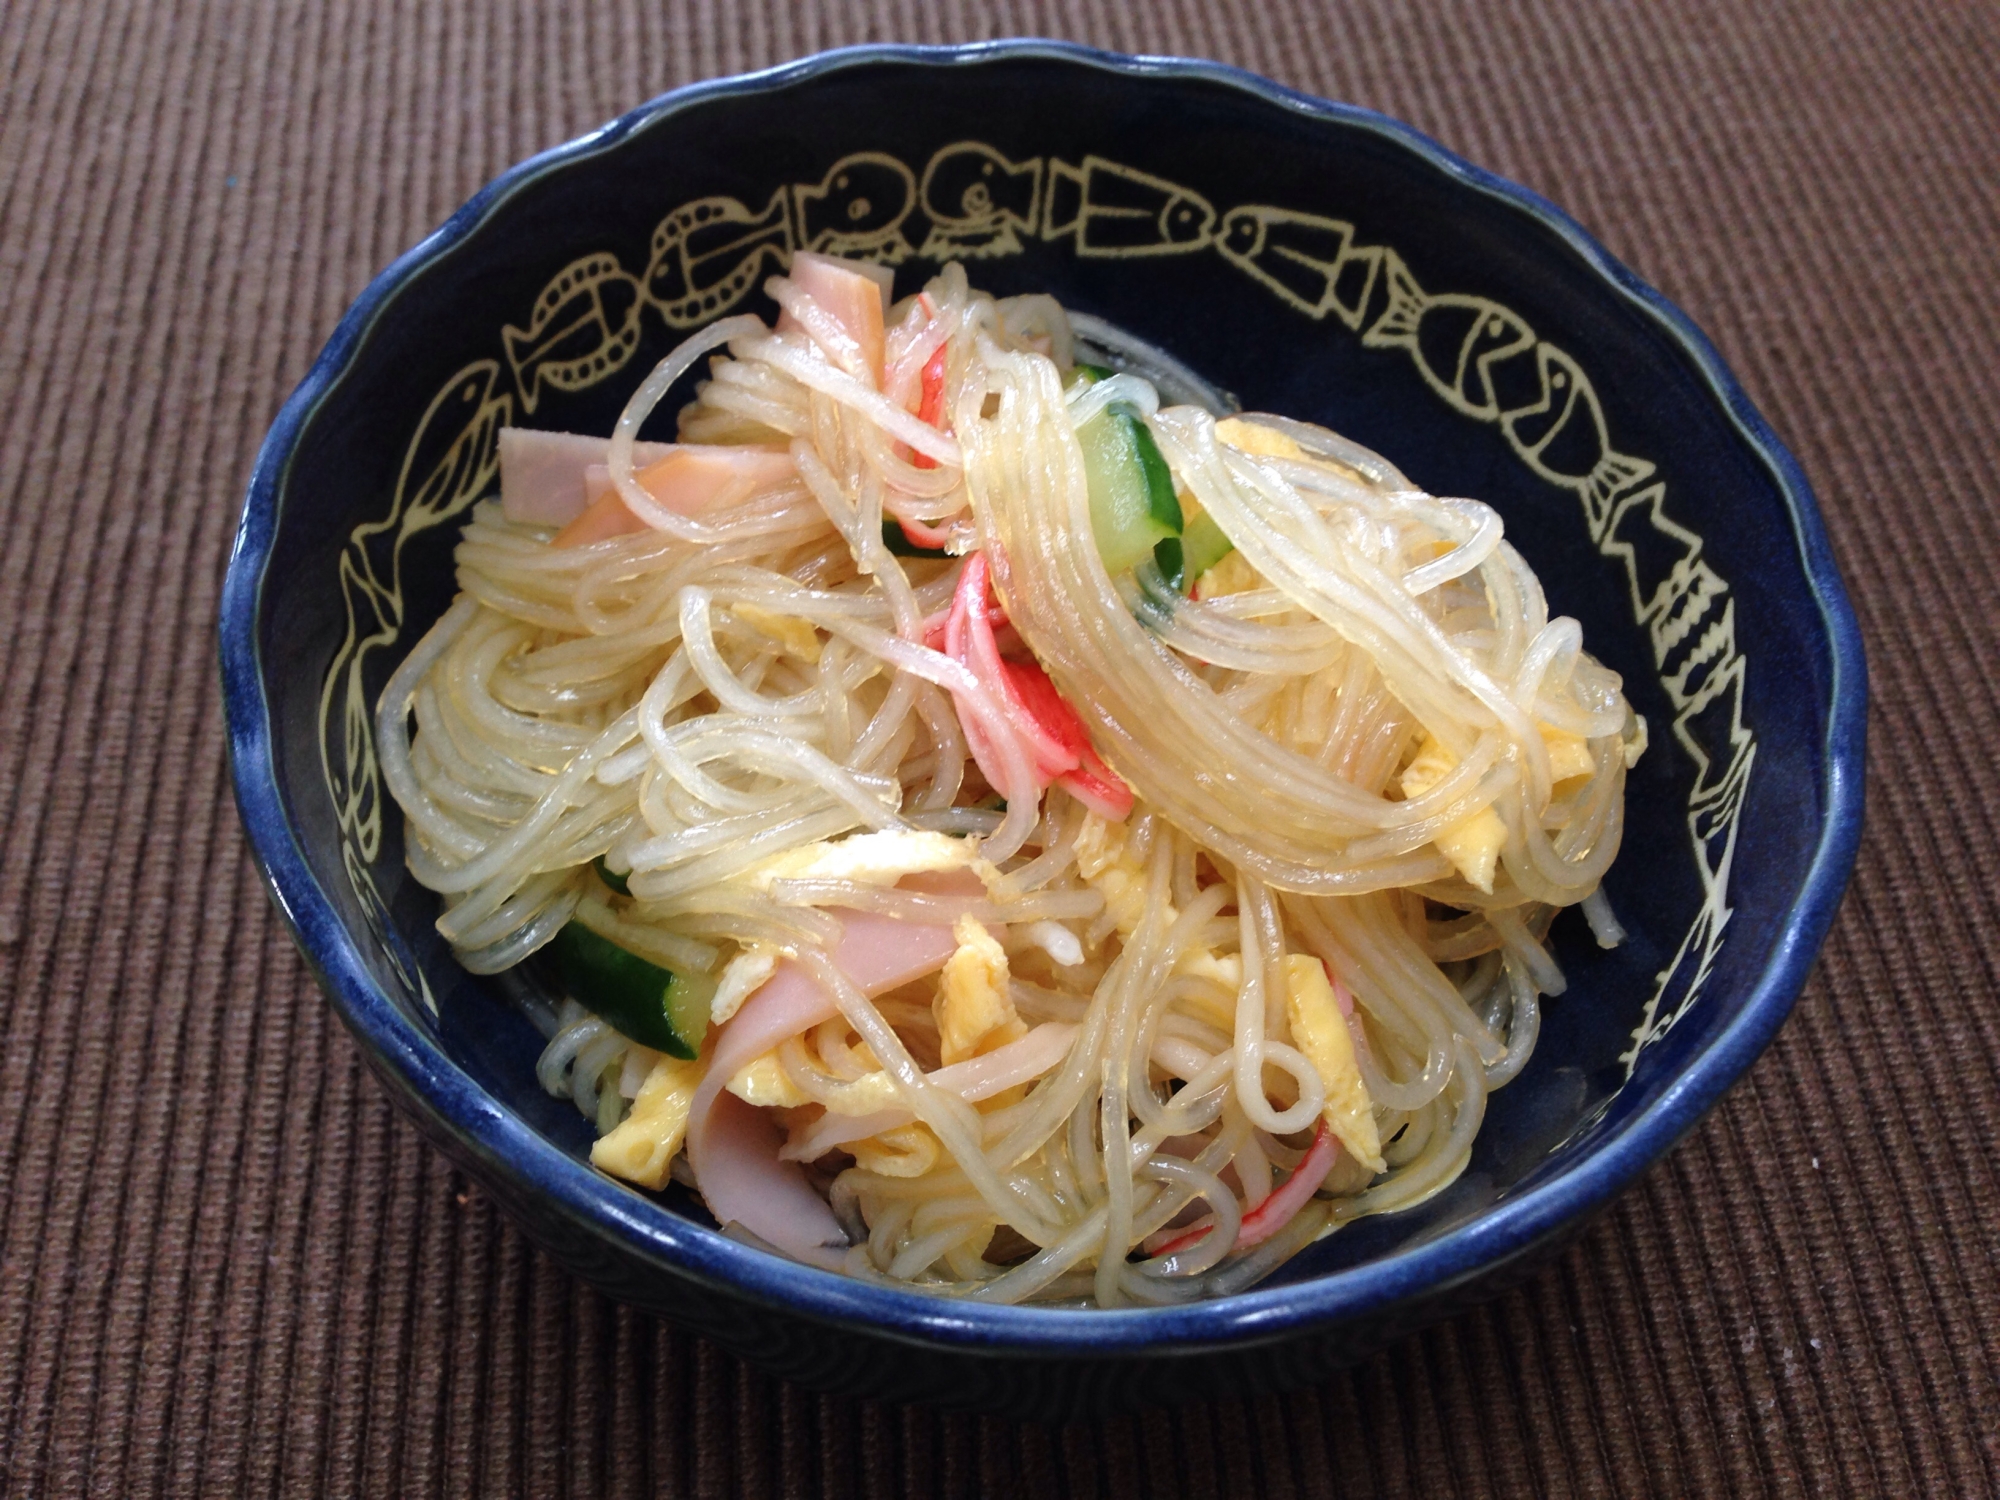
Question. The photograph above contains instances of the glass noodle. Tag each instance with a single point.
(994, 1015)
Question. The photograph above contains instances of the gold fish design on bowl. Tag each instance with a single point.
(857, 209)
(707, 254)
(1113, 210)
(1309, 260)
(584, 327)
(979, 203)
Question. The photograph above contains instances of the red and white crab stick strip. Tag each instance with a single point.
(1047, 727)
(1278, 1209)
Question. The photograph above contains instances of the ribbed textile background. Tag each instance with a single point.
(227, 1269)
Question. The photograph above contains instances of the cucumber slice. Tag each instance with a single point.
(1133, 508)
(610, 877)
(1202, 546)
(1132, 503)
(653, 1006)
(1183, 559)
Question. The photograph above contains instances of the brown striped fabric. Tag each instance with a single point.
(226, 1268)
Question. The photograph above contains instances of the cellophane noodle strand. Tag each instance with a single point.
(692, 702)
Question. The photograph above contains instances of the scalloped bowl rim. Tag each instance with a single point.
(1497, 1234)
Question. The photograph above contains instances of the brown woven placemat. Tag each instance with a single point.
(226, 1268)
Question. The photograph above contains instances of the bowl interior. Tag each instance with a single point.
(1314, 265)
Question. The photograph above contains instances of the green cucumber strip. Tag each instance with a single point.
(1088, 374)
(688, 1002)
(610, 876)
(1167, 556)
(1132, 502)
(653, 1006)
(1202, 546)
(901, 546)
(1166, 505)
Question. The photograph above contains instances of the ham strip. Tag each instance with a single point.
(854, 294)
(732, 1146)
(689, 479)
(542, 474)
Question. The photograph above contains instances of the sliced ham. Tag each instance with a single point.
(854, 294)
(742, 1180)
(597, 478)
(542, 474)
(607, 516)
(732, 1146)
(689, 479)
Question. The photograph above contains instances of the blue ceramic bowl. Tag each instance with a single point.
(1314, 259)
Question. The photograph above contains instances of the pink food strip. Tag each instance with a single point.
(542, 473)
(1039, 718)
(689, 479)
(968, 626)
(743, 1181)
(853, 294)
(607, 516)
(1277, 1210)
(930, 404)
(1098, 788)
(917, 534)
(1342, 996)
(979, 650)
(732, 1146)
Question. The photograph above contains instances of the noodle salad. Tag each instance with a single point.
(994, 833)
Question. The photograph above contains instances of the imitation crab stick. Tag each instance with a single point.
(1276, 1211)
(930, 404)
(1045, 723)
(920, 538)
